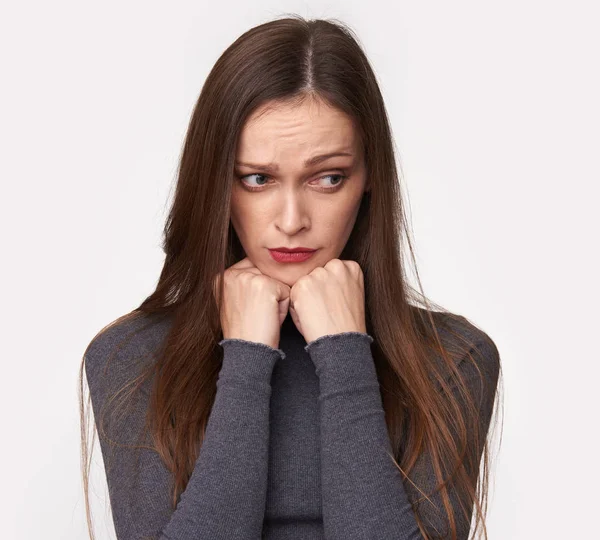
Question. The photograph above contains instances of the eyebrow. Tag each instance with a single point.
(307, 163)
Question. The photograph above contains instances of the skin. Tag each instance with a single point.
(292, 208)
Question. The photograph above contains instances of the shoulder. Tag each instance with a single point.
(123, 348)
(463, 340)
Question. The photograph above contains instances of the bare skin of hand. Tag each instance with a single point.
(254, 305)
(329, 300)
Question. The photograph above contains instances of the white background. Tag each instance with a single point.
(496, 116)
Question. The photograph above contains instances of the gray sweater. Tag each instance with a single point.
(296, 446)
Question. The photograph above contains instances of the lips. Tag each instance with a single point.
(295, 255)
(292, 250)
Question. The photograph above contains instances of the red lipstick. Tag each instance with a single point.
(291, 255)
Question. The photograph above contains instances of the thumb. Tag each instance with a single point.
(283, 310)
(296, 319)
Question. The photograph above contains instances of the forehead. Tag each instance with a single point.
(280, 128)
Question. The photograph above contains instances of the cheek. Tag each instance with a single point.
(245, 220)
(239, 212)
(340, 217)
(340, 225)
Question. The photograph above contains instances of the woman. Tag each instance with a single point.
(258, 393)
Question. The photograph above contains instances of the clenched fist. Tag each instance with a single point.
(329, 300)
(254, 304)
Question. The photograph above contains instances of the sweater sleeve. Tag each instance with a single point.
(363, 491)
(226, 494)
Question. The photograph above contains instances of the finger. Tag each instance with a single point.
(283, 290)
(243, 265)
(296, 319)
(283, 310)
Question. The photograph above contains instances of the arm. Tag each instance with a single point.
(363, 492)
(226, 493)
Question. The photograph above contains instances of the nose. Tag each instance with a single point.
(292, 212)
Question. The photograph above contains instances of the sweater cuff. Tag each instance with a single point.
(248, 361)
(343, 361)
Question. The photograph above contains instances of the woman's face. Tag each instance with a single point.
(292, 203)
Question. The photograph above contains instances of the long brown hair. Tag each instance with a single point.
(291, 59)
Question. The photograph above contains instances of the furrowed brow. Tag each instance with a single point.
(270, 168)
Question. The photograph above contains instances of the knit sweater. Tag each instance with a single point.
(296, 446)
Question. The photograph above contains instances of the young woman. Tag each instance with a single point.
(282, 381)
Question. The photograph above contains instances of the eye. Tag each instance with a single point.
(340, 178)
(251, 187)
(262, 180)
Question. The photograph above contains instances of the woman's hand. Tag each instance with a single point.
(329, 300)
(254, 306)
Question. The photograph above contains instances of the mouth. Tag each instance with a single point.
(293, 250)
(294, 255)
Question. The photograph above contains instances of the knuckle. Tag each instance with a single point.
(355, 267)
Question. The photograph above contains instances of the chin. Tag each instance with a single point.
(291, 275)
